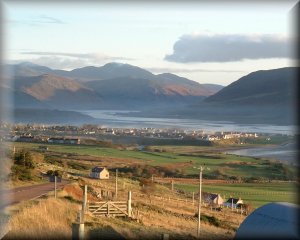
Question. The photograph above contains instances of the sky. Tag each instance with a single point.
(209, 42)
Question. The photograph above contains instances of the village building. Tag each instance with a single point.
(72, 141)
(26, 139)
(233, 202)
(212, 199)
(99, 173)
(59, 140)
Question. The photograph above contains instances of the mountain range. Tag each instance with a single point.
(112, 85)
(262, 96)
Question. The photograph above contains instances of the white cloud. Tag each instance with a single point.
(229, 47)
(65, 60)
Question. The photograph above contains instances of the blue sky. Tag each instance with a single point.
(215, 42)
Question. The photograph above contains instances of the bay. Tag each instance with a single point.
(122, 119)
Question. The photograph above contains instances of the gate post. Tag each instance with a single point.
(129, 204)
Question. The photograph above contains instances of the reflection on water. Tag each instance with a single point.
(287, 152)
(113, 118)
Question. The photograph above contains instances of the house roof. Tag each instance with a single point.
(209, 196)
(271, 221)
(233, 200)
(98, 169)
(56, 138)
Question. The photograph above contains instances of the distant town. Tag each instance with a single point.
(72, 134)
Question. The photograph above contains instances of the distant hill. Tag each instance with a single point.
(116, 85)
(267, 87)
(214, 88)
(55, 91)
(163, 89)
(27, 69)
(260, 97)
(109, 70)
(47, 116)
(267, 96)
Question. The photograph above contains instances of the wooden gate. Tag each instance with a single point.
(111, 208)
(108, 208)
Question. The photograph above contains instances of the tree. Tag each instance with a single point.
(23, 164)
(24, 159)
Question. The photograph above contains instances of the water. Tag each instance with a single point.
(286, 153)
(122, 119)
(117, 119)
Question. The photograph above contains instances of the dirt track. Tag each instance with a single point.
(17, 195)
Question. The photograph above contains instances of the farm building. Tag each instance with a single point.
(212, 199)
(99, 173)
(72, 141)
(271, 221)
(26, 139)
(233, 202)
(58, 140)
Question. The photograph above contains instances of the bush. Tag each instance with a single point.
(147, 185)
(20, 173)
(209, 219)
(54, 173)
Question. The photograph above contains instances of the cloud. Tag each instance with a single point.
(90, 56)
(65, 60)
(228, 47)
(183, 70)
(36, 21)
(46, 19)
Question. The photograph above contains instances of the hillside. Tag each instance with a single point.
(57, 92)
(47, 116)
(113, 85)
(266, 97)
(266, 87)
(109, 70)
(150, 92)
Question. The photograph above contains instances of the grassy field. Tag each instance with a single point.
(257, 194)
(185, 158)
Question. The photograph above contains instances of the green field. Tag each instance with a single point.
(257, 194)
(219, 165)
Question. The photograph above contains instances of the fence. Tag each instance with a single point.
(111, 208)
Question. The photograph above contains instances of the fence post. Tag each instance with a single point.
(55, 187)
(172, 187)
(84, 199)
(129, 204)
(193, 198)
(81, 225)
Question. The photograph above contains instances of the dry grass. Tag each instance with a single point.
(47, 219)
(158, 216)
(50, 218)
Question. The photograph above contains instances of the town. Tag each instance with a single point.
(72, 134)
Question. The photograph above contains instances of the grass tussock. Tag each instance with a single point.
(48, 219)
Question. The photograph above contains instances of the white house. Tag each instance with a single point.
(99, 173)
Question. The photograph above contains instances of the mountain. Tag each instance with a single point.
(109, 70)
(27, 69)
(56, 92)
(267, 87)
(265, 97)
(116, 85)
(214, 88)
(162, 89)
(188, 86)
(260, 97)
(48, 116)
